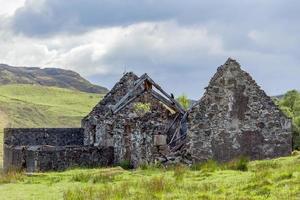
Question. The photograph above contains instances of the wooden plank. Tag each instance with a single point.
(178, 130)
(173, 122)
(177, 147)
(166, 94)
(129, 94)
(174, 135)
(127, 102)
(163, 100)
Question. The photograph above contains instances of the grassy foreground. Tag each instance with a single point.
(268, 179)
(40, 106)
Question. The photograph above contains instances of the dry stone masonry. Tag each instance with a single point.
(44, 149)
(139, 122)
(236, 118)
(135, 137)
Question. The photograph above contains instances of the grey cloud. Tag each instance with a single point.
(233, 20)
(56, 16)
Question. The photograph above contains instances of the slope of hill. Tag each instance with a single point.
(40, 106)
(47, 77)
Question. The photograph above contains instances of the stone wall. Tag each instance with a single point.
(43, 149)
(234, 118)
(135, 138)
(55, 158)
(43, 136)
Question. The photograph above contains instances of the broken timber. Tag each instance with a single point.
(146, 84)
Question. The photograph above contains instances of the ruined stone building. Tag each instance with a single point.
(137, 121)
(235, 117)
(136, 136)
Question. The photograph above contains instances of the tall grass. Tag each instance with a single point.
(179, 172)
(266, 179)
(11, 176)
(98, 177)
(240, 164)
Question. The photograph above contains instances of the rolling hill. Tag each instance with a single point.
(41, 106)
(47, 77)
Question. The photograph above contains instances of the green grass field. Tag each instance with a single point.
(268, 179)
(39, 106)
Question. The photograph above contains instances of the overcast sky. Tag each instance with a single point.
(179, 43)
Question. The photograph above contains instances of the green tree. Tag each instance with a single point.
(290, 105)
(287, 111)
(290, 98)
(184, 101)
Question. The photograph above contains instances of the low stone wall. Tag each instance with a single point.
(43, 136)
(57, 158)
(45, 149)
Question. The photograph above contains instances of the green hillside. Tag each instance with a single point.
(40, 106)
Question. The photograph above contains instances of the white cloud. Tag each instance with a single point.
(22, 51)
(8, 7)
(108, 50)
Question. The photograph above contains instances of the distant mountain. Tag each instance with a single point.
(47, 77)
(278, 96)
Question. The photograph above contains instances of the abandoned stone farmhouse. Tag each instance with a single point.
(138, 122)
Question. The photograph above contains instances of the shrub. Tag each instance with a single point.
(142, 108)
(296, 153)
(125, 164)
(184, 101)
(208, 166)
(240, 164)
(290, 105)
